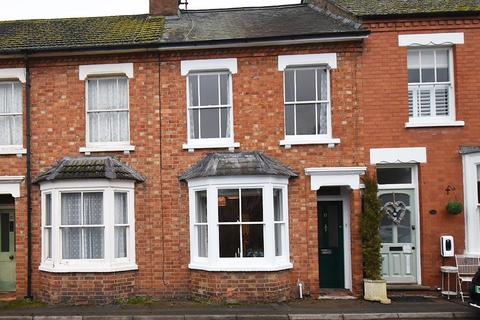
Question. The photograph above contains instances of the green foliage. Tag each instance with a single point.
(136, 300)
(21, 303)
(454, 207)
(370, 230)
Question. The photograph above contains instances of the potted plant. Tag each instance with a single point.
(375, 288)
(454, 207)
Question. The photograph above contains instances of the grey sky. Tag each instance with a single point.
(35, 9)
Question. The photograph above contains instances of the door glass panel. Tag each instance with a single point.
(5, 232)
(386, 230)
(402, 197)
(404, 229)
(394, 175)
(332, 227)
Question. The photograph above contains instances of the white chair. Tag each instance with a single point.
(467, 268)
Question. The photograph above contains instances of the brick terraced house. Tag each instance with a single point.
(218, 154)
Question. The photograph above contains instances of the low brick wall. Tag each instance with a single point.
(242, 286)
(86, 288)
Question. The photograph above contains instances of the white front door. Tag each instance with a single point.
(399, 225)
(398, 236)
(7, 250)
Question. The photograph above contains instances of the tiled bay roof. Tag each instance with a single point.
(406, 7)
(89, 168)
(79, 33)
(237, 164)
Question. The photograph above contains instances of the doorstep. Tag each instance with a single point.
(336, 294)
(8, 296)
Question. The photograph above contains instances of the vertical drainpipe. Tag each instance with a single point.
(28, 178)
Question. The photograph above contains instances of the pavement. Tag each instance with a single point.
(401, 308)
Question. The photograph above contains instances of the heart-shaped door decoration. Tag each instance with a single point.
(395, 211)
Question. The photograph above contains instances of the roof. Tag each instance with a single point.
(469, 149)
(89, 168)
(192, 26)
(79, 33)
(406, 7)
(294, 21)
(237, 164)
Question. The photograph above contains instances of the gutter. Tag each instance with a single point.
(454, 14)
(192, 45)
(29, 176)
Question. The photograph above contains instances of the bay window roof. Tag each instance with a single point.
(237, 164)
(89, 168)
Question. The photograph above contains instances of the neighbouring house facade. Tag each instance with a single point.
(219, 153)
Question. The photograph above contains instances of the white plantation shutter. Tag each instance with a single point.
(430, 88)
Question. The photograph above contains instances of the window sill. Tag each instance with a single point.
(191, 146)
(94, 268)
(434, 124)
(107, 148)
(288, 142)
(9, 150)
(239, 268)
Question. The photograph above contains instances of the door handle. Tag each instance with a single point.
(413, 228)
(11, 257)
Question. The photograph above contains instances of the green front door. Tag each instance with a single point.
(330, 244)
(7, 250)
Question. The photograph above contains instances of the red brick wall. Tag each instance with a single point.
(235, 287)
(384, 105)
(158, 130)
(258, 125)
(86, 288)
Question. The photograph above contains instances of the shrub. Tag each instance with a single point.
(370, 230)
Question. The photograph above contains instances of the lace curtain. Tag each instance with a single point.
(108, 110)
(11, 114)
(121, 224)
(82, 226)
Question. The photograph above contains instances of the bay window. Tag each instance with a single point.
(239, 224)
(88, 226)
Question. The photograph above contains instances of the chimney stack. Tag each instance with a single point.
(165, 8)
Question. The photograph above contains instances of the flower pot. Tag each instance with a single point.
(454, 207)
(376, 290)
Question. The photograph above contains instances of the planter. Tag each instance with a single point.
(376, 290)
(454, 207)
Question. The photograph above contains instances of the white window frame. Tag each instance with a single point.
(210, 142)
(106, 71)
(14, 75)
(433, 120)
(472, 206)
(109, 263)
(326, 61)
(270, 262)
(199, 67)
